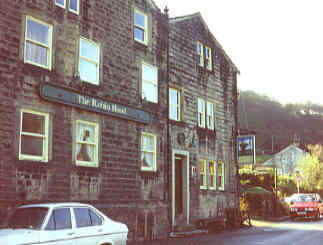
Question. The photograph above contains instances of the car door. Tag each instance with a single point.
(59, 230)
(89, 228)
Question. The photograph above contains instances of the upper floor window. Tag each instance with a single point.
(150, 83)
(33, 136)
(210, 115)
(200, 54)
(175, 104)
(74, 6)
(61, 3)
(87, 143)
(201, 112)
(204, 56)
(205, 111)
(148, 152)
(203, 177)
(208, 58)
(140, 27)
(221, 177)
(89, 61)
(38, 43)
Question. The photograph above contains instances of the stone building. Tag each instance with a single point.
(99, 104)
(83, 105)
(203, 125)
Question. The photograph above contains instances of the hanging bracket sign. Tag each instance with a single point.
(72, 98)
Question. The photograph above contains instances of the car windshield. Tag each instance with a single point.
(305, 198)
(27, 218)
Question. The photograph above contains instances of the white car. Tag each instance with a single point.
(62, 224)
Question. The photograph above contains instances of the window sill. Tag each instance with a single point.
(87, 164)
(203, 187)
(32, 159)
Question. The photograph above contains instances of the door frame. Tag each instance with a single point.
(186, 184)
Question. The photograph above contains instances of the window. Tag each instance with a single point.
(60, 219)
(38, 43)
(85, 217)
(89, 62)
(201, 112)
(203, 184)
(174, 104)
(210, 115)
(212, 177)
(200, 54)
(220, 171)
(74, 6)
(150, 83)
(140, 27)
(87, 143)
(27, 218)
(148, 152)
(208, 58)
(61, 3)
(33, 136)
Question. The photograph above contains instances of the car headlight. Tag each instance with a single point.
(310, 209)
(293, 209)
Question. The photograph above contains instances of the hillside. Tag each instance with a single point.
(277, 124)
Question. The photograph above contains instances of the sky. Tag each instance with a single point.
(276, 44)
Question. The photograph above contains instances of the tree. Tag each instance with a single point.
(311, 169)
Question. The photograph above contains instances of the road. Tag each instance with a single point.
(262, 233)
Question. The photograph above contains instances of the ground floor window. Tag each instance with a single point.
(87, 143)
(148, 152)
(33, 136)
(203, 184)
(220, 175)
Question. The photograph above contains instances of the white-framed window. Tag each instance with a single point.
(201, 112)
(148, 152)
(87, 143)
(208, 58)
(174, 104)
(38, 43)
(60, 3)
(221, 176)
(74, 6)
(200, 53)
(203, 176)
(140, 27)
(89, 61)
(210, 115)
(149, 83)
(33, 143)
(212, 175)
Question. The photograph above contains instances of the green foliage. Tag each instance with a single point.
(311, 169)
(286, 186)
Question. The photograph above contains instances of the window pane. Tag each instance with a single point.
(149, 92)
(60, 2)
(148, 143)
(149, 73)
(85, 152)
(31, 145)
(74, 5)
(95, 219)
(139, 34)
(82, 217)
(33, 123)
(29, 218)
(88, 71)
(147, 159)
(62, 218)
(36, 54)
(140, 20)
(37, 31)
(85, 132)
(51, 223)
(89, 50)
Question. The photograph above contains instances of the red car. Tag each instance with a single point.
(306, 206)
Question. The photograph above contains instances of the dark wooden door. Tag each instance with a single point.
(178, 186)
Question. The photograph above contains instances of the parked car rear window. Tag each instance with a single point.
(28, 218)
(60, 219)
(86, 217)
